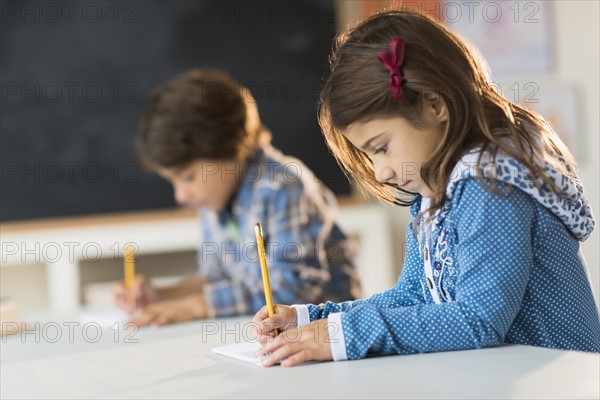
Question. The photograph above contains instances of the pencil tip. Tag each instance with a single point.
(258, 229)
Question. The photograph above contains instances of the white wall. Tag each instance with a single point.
(578, 40)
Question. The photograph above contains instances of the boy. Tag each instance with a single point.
(202, 133)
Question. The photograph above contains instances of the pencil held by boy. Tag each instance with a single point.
(498, 210)
(202, 132)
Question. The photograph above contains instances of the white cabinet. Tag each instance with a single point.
(60, 246)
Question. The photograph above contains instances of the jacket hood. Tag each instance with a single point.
(571, 207)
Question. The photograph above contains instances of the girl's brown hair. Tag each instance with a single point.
(436, 60)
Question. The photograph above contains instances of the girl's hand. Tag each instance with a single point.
(294, 346)
(171, 311)
(143, 294)
(285, 317)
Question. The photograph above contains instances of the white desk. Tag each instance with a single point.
(176, 362)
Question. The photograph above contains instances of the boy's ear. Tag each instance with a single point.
(435, 105)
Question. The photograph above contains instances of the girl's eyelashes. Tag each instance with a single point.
(381, 149)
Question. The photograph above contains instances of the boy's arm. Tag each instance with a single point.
(291, 227)
(183, 288)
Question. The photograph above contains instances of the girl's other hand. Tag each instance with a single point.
(295, 346)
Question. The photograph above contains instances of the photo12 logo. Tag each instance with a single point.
(70, 332)
(54, 252)
(70, 92)
(53, 12)
(68, 172)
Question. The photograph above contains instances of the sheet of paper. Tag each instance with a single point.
(244, 351)
(104, 318)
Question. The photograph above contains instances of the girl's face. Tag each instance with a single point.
(204, 183)
(398, 149)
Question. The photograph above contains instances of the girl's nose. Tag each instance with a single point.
(384, 173)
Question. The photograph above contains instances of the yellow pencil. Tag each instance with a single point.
(129, 272)
(260, 244)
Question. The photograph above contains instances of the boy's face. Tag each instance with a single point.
(204, 183)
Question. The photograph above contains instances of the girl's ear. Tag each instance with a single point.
(435, 106)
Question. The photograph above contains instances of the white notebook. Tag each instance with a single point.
(244, 351)
(105, 318)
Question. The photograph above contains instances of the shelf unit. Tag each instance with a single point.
(61, 245)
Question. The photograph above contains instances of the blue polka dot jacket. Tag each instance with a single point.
(491, 267)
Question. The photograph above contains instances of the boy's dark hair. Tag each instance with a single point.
(198, 114)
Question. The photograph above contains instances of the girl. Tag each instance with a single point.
(492, 251)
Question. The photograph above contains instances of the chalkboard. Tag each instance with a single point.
(76, 78)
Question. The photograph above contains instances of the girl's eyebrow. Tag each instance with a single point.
(367, 145)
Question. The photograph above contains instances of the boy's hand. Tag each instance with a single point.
(294, 346)
(171, 311)
(143, 294)
(285, 317)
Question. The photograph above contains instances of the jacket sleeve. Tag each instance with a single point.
(495, 258)
(408, 290)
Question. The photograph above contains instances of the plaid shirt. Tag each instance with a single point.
(309, 258)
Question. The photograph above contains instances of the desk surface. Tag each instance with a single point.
(67, 359)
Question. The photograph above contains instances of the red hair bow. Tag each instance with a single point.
(393, 61)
